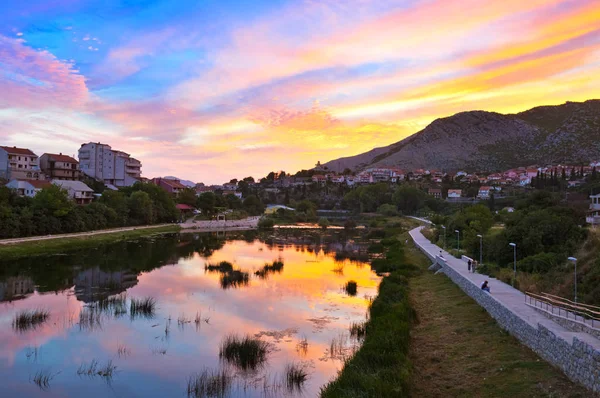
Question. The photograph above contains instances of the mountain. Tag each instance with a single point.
(479, 140)
(187, 183)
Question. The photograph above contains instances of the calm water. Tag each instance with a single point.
(154, 356)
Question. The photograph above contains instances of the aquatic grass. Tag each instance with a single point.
(302, 346)
(144, 307)
(222, 267)
(267, 269)
(247, 353)
(294, 376)
(92, 370)
(183, 320)
(210, 384)
(30, 319)
(351, 288)
(159, 350)
(42, 379)
(123, 351)
(90, 319)
(234, 279)
(32, 353)
(338, 269)
(358, 329)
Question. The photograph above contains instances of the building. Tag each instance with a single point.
(19, 164)
(318, 178)
(60, 167)
(172, 186)
(102, 163)
(28, 188)
(77, 190)
(593, 214)
(484, 192)
(435, 192)
(454, 193)
(237, 194)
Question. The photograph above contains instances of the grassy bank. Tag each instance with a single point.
(61, 245)
(457, 349)
(381, 367)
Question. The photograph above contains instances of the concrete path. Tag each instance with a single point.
(508, 296)
(214, 225)
(79, 234)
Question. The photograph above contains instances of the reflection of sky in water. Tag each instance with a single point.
(306, 290)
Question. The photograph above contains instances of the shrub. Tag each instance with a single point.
(541, 262)
(323, 222)
(266, 223)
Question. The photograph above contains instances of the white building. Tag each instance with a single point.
(593, 214)
(19, 163)
(77, 190)
(28, 188)
(101, 162)
(454, 193)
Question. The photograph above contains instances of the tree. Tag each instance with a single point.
(53, 200)
(408, 199)
(117, 201)
(187, 196)
(253, 205)
(233, 202)
(140, 208)
(206, 202)
(323, 222)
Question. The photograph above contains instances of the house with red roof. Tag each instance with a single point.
(172, 186)
(28, 188)
(19, 164)
(60, 167)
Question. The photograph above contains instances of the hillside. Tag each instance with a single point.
(480, 140)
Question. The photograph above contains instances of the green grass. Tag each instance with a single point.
(145, 308)
(457, 349)
(30, 319)
(62, 245)
(210, 383)
(380, 368)
(247, 353)
(351, 288)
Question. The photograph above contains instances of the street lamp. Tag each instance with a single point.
(574, 260)
(514, 245)
(444, 228)
(480, 249)
(458, 239)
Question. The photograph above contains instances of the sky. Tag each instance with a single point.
(214, 90)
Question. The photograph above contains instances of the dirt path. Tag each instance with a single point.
(458, 350)
(79, 234)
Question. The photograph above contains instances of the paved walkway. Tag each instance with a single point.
(79, 234)
(508, 296)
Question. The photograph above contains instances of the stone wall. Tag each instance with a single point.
(569, 324)
(578, 360)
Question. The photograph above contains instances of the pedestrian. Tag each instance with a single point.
(469, 265)
(485, 287)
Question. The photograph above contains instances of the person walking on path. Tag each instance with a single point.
(469, 265)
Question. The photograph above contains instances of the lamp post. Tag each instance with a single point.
(458, 239)
(444, 228)
(514, 245)
(574, 260)
(480, 249)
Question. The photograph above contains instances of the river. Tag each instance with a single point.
(291, 296)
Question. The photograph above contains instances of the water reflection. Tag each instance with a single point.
(285, 289)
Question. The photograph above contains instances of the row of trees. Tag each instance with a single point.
(52, 212)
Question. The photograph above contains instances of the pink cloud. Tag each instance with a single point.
(37, 79)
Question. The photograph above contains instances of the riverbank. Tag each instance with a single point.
(458, 349)
(381, 368)
(34, 246)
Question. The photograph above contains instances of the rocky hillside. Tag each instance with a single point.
(481, 140)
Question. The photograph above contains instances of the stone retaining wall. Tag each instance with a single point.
(579, 361)
(569, 324)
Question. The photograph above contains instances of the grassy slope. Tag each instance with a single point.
(457, 349)
(53, 246)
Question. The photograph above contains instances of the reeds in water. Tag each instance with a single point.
(210, 383)
(302, 346)
(144, 307)
(29, 319)
(267, 269)
(358, 330)
(247, 353)
(294, 376)
(234, 279)
(42, 379)
(90, 318)
(222, 267)
(351, 288)
(92, 370)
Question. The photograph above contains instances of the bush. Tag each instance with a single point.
(387, 210)
(266, 223)
(323, 222)
(541, 262)
(349, 225)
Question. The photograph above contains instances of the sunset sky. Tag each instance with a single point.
(212, 90)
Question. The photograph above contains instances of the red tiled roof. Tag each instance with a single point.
(61, 158)
(173, 183)
(39, 183)
(18, 151)
(182, 206)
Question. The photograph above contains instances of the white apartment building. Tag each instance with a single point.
(19, 163)
(105, 164)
